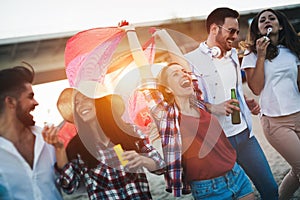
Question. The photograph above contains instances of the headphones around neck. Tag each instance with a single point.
(215, 51)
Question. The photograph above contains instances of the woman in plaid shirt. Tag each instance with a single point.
(90, 158)
(199, 157)
(197, 153)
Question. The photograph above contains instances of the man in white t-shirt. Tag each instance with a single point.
(26, 161)
(215, 63)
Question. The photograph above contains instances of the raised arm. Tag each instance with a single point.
(256, 76)
(137, 52)
(172, 48)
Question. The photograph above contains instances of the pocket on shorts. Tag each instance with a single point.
(236, 170)
(202, 192)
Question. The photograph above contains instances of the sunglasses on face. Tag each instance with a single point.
(231, 31)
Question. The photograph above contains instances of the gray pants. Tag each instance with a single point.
(283, 133)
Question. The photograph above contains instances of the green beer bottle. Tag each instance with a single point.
(235, 115)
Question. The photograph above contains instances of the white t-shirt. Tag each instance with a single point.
(19, 181)
(227, 73)
(280, 95)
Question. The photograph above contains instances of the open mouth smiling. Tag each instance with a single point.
(85, 111)
(185, 83)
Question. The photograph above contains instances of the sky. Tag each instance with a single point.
(21, 18)
(46, 95)
(33, 17)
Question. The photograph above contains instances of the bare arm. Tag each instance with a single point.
(172, 48)
(137, 52)
(225, 108)
(256, 76)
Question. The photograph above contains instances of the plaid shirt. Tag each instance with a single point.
(109, 180)
(167, 118)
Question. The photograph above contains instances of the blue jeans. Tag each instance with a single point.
(233, 185)
(253, 160)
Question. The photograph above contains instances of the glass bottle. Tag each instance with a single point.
(235, 115)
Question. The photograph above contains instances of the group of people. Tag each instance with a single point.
(203, 153)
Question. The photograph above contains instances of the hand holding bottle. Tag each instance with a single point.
(235, 115)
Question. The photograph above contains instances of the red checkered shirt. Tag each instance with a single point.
(109, 179)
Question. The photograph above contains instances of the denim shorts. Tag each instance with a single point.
(235, 184)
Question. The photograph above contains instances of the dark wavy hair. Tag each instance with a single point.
(287, 36)
(109, 110)
(13, 80)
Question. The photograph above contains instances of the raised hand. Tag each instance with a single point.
(51, 137)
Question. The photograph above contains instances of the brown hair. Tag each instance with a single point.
(163, 85)
(13, 80)
(287, 36)
(218, 16)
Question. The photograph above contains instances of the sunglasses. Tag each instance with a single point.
(231, 31)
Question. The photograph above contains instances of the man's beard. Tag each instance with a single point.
(24, 116)
(222, 42)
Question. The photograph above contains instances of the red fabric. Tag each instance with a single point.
(87, 40)
(88, 54)
(143, 117)
(138, 110)
(67, 132)
(91, 54)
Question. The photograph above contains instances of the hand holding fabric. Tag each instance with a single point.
(124, 25)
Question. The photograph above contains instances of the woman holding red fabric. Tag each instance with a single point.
(198, 154)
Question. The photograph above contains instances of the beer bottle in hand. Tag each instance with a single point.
(235, 115)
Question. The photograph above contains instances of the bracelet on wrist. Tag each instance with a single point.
(130, 30)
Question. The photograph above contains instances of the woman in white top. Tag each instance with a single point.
(271, 63)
